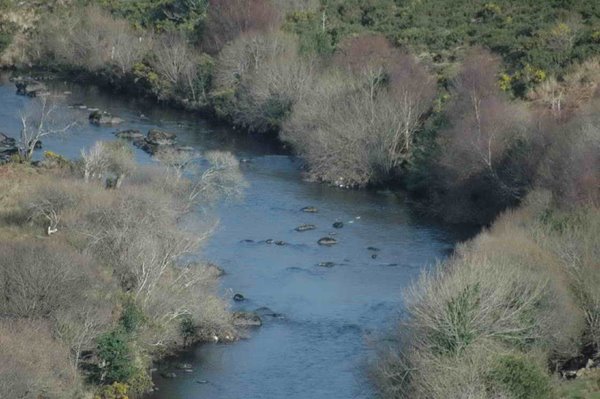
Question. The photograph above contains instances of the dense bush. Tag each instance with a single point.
(258, 79)
(357, 123)
(509, 303)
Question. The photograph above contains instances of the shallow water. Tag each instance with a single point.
(321, 345)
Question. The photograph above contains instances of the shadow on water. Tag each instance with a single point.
(328, 300)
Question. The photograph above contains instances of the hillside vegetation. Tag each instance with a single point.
(477, 108)
(366, 92)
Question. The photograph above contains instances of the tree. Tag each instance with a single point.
(484, 125)
(177, 65)
(108, 159)
(39, 121)
(356, 124)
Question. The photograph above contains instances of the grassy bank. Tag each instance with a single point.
(95, 280)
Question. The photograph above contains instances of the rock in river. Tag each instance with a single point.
(326, 264)
(130, 134)
(99, 118)
(238, 297)
(246, 319)
(309, 209)
(160, 137)
(30, 87)
(338, 225)
(305, 227)
(328, 241)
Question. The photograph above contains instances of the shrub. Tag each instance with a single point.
(116, 358)
(91, 39)
(265, 76)
(520, 378)
(40, 278)
(491, 319)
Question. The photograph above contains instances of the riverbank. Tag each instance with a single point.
(97, 275)
(514, 312)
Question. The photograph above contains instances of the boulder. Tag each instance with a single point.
(305, 227)
(6, 140)
(327, 241)
(246, 319)
(160, 137)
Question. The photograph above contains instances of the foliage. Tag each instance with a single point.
(115, 391)
(162, 15)
(520, 378)
(115, 354)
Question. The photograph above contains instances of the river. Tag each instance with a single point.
(322, 344)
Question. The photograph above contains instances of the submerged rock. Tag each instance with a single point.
(327, 241)
(280, 243)
(246, 319)
(168, 375)
(309, 209)
(338, 225)
(374, 249)
(326, 264)
(129, 134)
(184, 366)
(305, 227)
(267, 312)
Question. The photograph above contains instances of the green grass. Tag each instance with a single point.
(581, 388)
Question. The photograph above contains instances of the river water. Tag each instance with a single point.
(322, 344)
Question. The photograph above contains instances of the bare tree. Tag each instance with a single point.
(177, 161)
(356, 124)
(79, 325)
(49, 202)
(39, 121)
(221, 179)
(95, 162)
(176, 64)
